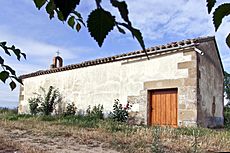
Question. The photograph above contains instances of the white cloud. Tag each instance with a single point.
(175, 20)
(158, 19)
(34, 47)
(39, 54)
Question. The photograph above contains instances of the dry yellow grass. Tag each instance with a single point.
(8, 145)
(32, 135)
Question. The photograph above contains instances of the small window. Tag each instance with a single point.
(213, 106)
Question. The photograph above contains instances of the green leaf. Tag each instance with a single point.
(80, 19)
(6, 50)
(60, 16)
(98, 2)
(66, 6)
(17, 53)
(50, 7)
(77, 14)
(1, 60)
(39, 3)
(17, 79)
(228, 40)
(78, 27)
(12, 85)
(71, 22)
(137, 34)
(3, 43)
(9, 69)
(100, 23)
(123, 9)
(120, 29)
(210, 5)
(4, 75)
(24, 55)
(82, 22)
(222, 11)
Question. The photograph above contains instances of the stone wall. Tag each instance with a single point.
(198, 80)
(210, 95)
(124, 80)
(187, 91)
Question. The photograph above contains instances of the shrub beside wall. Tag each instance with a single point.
(227, 116)
(45, 103)
(120, 113)
(96, 112)
(70, 109)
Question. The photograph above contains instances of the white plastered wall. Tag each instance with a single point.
(102, 84)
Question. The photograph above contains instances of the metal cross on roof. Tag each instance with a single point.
(58, 53)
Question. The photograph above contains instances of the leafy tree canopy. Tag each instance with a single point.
(219, 13)
(227, 87)
(7, 72)
(100, 21)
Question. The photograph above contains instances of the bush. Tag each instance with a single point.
(120, 113)
(45, 104)
(33, 104)
(50, 100)
(4, 110)
(96, 112)
(70, 109)
(227, 116)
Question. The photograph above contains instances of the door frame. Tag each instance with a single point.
(149, 103)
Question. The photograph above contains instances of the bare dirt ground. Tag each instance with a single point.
(20, 141)
(35, 136)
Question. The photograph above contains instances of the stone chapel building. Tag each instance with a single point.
(180, 85)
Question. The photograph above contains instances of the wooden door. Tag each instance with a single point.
(163, 107)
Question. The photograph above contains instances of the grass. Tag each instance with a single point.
(120, 136)
(9, 146)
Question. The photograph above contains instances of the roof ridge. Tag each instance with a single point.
(123, 56)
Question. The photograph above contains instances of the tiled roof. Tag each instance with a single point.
(152, 50)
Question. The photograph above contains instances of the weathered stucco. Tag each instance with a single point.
(198, 80)
(106, 82)
(187, 91)
(210, 97)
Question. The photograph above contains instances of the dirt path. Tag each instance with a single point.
(25, 141)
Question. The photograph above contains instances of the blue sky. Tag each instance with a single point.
(160, 22)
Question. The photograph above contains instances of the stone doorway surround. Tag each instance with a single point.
(187, 93)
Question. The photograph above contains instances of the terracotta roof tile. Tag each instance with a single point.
(152, 50)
